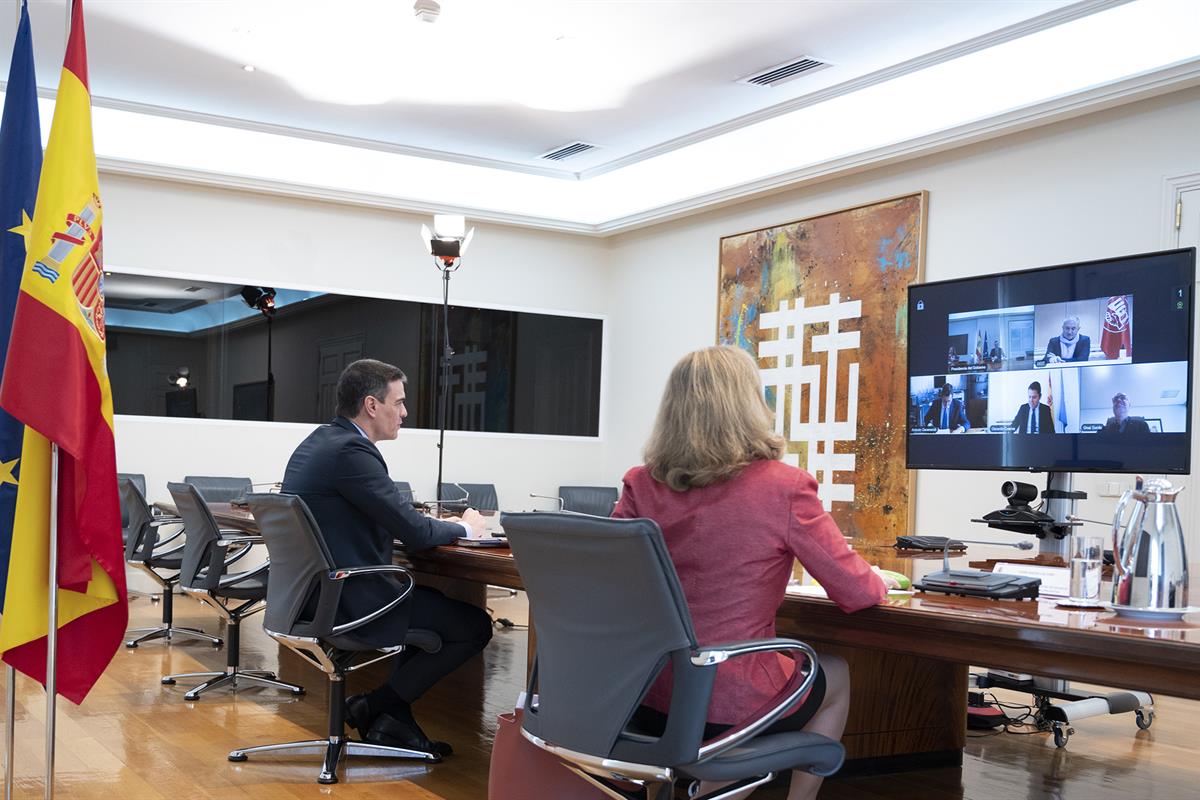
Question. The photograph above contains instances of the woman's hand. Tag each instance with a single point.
(889, 580)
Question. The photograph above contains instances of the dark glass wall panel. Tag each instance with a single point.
(510, 371)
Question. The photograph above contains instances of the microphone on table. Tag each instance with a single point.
(464, 500)
(561, 503)
(946, 548)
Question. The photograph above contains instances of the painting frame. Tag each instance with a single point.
(825, 257)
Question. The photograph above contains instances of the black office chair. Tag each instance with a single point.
(302, 603)
(139, 480)
(481, 496)
(405, 489)
(160, 559)
(220, 489)
(598, 501)
(600, 646)
(205, 575)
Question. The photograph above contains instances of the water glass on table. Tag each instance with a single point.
(1087, 555)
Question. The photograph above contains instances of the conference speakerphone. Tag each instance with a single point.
(973, 583)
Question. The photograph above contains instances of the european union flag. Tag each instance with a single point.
(20, 167)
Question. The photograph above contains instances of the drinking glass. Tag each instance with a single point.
(1087, 554)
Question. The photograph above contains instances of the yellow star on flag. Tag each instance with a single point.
(6, 472)
(25, 228)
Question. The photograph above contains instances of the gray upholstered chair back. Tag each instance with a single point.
(202, 533)
(478, 495)
(139, 480)
(302, 600)
(405, 490)
(596, 500)
(219, 489)
(140, 535)
(609, 614)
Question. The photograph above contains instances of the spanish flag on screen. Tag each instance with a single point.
(55, 381)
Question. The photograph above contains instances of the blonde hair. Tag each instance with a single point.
(712, 421)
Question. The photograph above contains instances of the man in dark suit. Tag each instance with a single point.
(342, 478)
(1071, 345)
(1033, 417)
(1120, 423)
(947, 413)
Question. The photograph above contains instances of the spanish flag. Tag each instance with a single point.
(55, 381)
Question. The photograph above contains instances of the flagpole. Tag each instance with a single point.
(10, 674)
(52, 629)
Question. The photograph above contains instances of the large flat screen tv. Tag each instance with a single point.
(1075, 368)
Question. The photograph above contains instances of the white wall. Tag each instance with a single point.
(1087, 188)
(249, 238)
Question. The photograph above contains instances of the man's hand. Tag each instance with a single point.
(477, 523)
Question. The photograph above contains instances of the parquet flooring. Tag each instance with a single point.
(133, 738)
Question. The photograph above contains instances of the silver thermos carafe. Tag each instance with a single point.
(1150, 569)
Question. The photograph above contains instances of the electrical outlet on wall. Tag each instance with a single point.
(1112, 489)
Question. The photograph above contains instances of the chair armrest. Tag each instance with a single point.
(169, 553)
(239, 537)
(797, 687)
(381, 569)
(170, 538)
(238, 577)
(341, 573)
(154, 523)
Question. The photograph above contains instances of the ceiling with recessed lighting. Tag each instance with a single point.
(364, 102)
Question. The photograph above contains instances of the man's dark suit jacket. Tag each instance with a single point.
(1083, 348)
(342, 478)
(1134, 426)
(1045, 419)
(933, 417)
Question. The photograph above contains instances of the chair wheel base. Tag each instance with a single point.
(168, 681)
(238, 758)
(327, 779)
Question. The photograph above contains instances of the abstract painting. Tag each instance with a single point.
(822, 304)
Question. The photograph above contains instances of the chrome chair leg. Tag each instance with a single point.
(269, 679)
(231, 676)
(170, 634)
(334, 749)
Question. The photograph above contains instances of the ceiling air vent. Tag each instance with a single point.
(780, 73)
(567, 151)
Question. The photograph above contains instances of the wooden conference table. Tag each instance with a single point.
(909, 656)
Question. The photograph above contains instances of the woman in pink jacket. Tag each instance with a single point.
(735, 518)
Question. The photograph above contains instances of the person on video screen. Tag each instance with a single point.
(947, 413)
(1120, 423)
(1033, 417)
(1070, 345)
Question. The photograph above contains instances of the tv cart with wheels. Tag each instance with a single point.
(1053, 526)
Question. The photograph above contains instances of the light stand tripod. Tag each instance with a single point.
(447, 243)
(447, 266)
(262, 299)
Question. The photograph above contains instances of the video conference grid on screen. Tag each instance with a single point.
(1079, 367)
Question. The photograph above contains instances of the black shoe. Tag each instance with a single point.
(358, 715)
(393, 732)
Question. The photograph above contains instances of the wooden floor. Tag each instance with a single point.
(133, 738)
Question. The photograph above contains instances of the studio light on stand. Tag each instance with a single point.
(262, 299)
(181, 399)
(447, 243)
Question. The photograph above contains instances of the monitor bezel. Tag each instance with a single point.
(1186, 470)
